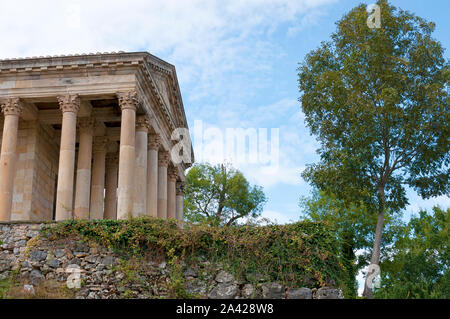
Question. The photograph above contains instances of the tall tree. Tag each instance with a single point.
(220, 195)
(377, 100)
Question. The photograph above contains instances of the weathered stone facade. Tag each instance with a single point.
(79, 129)
(105, 275)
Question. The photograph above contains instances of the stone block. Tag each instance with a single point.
(300, 293)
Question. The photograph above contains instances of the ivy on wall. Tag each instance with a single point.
(302, 254)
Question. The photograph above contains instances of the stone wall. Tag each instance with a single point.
(35, 173)
(33, 260)
(26, 143)
(44, 177)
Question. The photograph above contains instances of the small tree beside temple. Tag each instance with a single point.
(220, 195)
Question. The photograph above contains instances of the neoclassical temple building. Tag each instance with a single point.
(90, 137)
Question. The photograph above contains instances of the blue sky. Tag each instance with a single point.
(236, 63)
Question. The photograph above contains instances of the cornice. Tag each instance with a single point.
(83, 61)
(162, 107)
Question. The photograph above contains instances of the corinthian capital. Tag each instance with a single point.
(128, 100)
(12, 106)
(99, 144)
(112, 160)
(163, 158)
(69, 103)
(142, 123)
(181, 188)
(86, 124)
(172, 173)
(154, 141)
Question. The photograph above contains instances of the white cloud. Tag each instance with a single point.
(276, 217)
(427, 204)
(295, 147)
(206, 40)
(268, 177)
(360, 279)
(308, 19)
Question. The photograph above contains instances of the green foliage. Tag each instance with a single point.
(9, 283)
(354, 217)
(177, 280)
(377, 100)
(354, 226)
(220, 195)
(418, 263)
(5, 286)
(300, 254)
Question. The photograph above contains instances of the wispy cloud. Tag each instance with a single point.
(208, 41)
(296, 147)
(276, 217)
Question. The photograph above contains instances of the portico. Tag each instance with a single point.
(89, 137)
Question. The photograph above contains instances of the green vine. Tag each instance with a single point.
(298, 254)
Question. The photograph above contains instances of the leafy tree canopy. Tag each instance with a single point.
(220, 195)
(352, 222)
(417, 265)
(377, 100)
(354, 227)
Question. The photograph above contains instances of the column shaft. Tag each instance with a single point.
(179, 208)
(140, 193)
(128, 104)
(12, 109)
(180, 194)
(69, 105)
(163, 161)
(83, 180)
(154, 142)
(171, 192)
(112, 170)
(98, 179)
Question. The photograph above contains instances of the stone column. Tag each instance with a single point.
(154, 142)
(83, 183)
(12, 109)
(69, 104)
(171, 192)
(181, 186)
(140, 193)
(112, 170)
(128, 103)
(163, 161)
(98, 178)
